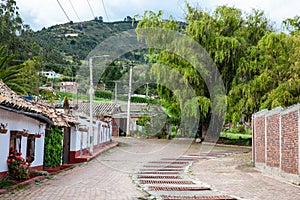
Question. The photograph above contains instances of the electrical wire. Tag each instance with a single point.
(91, 8)
(74, 10)
(105, 10)
(63, 10)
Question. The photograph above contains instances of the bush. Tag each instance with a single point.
(18, 168)
(139, 100)
(239, 130)
(103, 94)
(53, 148)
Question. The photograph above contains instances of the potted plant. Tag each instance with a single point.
(3, 128)
(38, 135)
(83, 128)
(17, 166)
(25, 133)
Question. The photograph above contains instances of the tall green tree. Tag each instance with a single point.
(267, 77)
(22, 78)
(227, 34)
(12, 27)
(174, 99)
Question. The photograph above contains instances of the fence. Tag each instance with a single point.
(276, 141)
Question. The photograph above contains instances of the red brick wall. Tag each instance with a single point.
(260, 139)
(276, 139)
(289, 143)
(273, 142)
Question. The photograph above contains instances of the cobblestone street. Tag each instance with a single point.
(116, 174)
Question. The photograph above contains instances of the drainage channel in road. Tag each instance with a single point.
(168, 179)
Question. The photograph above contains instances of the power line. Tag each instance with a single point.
(63, 10)
(91, 8)
(105, 10)
(74, 10)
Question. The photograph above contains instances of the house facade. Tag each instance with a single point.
(31, 146)
(70, 87)
(25, 123)
(102, 129)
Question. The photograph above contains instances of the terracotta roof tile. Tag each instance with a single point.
(10, 99)
(105, 109)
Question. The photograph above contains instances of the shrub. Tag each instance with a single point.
(103, 94)
(53, 148)
(139, 100)
(18, 168)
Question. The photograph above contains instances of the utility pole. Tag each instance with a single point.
(129, 100)
(116, 91)
(147, 90)
(91, 128)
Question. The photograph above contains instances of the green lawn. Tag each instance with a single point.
(83, 97)
(235, 136)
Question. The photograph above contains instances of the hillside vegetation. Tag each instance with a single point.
(73, 41)
(260, 67)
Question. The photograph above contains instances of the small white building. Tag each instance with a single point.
(50, 74)
(71, 35)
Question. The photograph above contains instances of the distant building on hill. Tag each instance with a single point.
(50, 74)
(70, 87)
(71, 35)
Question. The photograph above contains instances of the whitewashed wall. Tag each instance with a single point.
(105, 133)
(19, 122)
(78, 137)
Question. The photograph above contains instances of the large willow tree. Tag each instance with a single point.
(228, 36)
(268, 76)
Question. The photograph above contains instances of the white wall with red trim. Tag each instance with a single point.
(102, 132)
(19, 122)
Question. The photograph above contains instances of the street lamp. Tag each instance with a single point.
(91, 101)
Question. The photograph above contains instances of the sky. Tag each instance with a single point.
(46, 13)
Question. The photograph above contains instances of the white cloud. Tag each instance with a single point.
(46, 13)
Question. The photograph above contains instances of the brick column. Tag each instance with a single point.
(299, 139)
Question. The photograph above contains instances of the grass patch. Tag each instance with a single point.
(235, 136)
(81, 97)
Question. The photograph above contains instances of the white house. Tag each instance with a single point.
(31, 146)
(50, 74)
(20, 114)
(102, 129)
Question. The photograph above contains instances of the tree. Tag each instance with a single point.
(240, 45)
(174, 99)
(292, 24)
(22, 78)
(268, 77)
(12, 27)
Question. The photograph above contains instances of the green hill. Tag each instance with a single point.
(68, 44)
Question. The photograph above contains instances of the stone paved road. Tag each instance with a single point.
(110, 176)
(106, 177)
(235, 175)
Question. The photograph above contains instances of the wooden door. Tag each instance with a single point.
(66, 146)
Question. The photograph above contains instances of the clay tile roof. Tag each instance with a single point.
(105, 109)
(10, 99)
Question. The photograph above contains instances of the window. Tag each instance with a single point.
(15, 140)
(30, 148)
